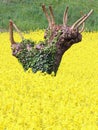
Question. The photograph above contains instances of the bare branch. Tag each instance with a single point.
(11, 32)
(47, 16)
(18, 31)
(65, 17)
(52, 15)
(82, 29)
(81, 22)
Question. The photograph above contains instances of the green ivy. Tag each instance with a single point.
(39, 60)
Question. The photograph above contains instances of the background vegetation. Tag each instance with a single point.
(28, 14)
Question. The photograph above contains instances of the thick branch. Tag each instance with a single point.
(11, 32)
(65, 17)
(52, 15)
(47, 16)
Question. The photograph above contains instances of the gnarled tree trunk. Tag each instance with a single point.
(46, 55)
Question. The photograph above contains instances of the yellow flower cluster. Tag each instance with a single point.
(40, 101)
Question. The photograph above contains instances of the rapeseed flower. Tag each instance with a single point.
(40, 101)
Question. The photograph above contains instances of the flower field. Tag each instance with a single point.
(40, 101)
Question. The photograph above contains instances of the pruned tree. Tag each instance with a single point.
(46, 55)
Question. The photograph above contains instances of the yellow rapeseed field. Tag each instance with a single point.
(40, 101)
